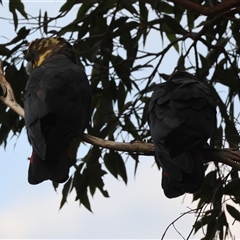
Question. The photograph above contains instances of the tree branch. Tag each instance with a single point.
(222, 7)
(135, 146)
(227, 156)
(8, 97)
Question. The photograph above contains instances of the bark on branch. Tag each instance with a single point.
(214, 10)
(8, 97)
(230, 157)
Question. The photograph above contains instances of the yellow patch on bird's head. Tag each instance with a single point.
(41, 49)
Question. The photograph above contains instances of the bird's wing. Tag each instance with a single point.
(57, 94)
(181, 119)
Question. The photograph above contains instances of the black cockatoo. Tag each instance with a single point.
(182, 117)
(57, 103)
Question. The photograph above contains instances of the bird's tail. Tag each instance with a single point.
(190, 181)
(54, 167)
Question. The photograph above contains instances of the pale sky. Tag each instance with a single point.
(138, 210)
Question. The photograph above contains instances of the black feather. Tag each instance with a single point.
(57, 109)
(182, 116)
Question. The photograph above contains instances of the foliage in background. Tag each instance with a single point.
(109, 38)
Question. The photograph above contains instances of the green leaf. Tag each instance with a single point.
(174, 25)
(143, 12)
(45, 22)
(135, 157)
(84, 200)
(130, 127)
(125, 39)
(4, 131)
(95, 174)
(83, 9)
(104, 113)
(144, 21)
(232, 188)
(67, 6)
(121, 96)
(207, 190)
(178, 11)
(190, 19)
(121, 168)
(233, 212)
(213, 55)
(211, 230)
(126, 27)
(164, 7)
(205, 66)
(55, 185)
(40, 17)
(80, 183)
(83, 30)
(235, 32)
(232, 134)
(19, 6)
(65, 192)
(13, 11)
(181, 63)
(128, 6)
(234, 174)
(222, 220)
(122, 70)
(205, 220)
(21, 35)
(217, 196)
(115, 165)
(111, 163)
(4, 51)
(93, 50)
(172, 38)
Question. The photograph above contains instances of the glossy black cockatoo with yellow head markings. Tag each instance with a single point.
(57, 103)
(182, 117)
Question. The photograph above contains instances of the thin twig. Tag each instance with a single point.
(172, 223)
(140, 147)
